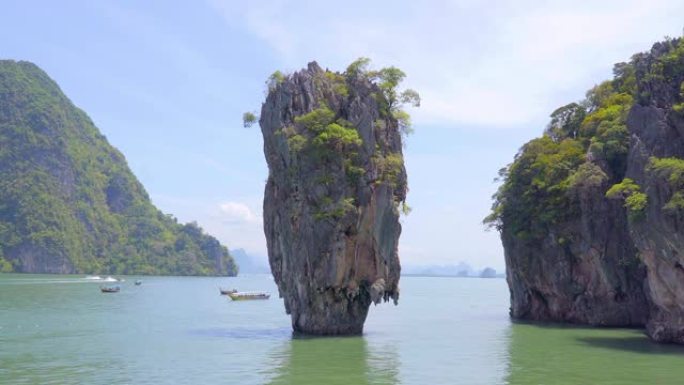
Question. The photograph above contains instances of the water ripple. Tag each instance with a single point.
(245, 333)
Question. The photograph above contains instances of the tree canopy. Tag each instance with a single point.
(585, 146)
(68, 195)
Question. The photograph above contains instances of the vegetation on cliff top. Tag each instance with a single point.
(391, 101)
(69, 200)
(585, 145)
(332, 140)
(672, 171)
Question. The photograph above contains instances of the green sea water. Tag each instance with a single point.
(172, 330)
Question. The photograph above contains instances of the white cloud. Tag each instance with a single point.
(233, 223)
(492, 63)
(237, 212)
(478, 64)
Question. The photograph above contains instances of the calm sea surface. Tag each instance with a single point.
(62, 330)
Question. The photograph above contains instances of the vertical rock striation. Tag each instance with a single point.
(584, 270)
(592, 214)
(336, 180)
(656, 126)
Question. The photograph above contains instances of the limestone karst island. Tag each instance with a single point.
(292, 192)
(69, 204)
(333, 144)
(590, 214)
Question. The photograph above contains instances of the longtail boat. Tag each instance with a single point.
(242, 296)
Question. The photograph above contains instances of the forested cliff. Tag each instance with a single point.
(68, 201)
(591, 214)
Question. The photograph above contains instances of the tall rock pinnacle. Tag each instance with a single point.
(336, 183)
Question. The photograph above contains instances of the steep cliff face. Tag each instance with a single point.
(68, 201)
(656, 161)
(336, 180)
(584, 270)
(591, 214)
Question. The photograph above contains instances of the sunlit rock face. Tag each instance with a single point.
(613, 254)
(588, 275)
(336, 179)
(656, 127)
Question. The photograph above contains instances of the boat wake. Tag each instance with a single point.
(56, 280)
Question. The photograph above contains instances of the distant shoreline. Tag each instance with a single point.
(246, 274)
(449, 276)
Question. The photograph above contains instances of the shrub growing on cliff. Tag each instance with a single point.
(405, 208)
(317, 119)
(672, 171)
(393, 101)
(339, 83)
(388, 80)
(635, 200)
(329, 136)
(248, 119)
(390, 99)
(623, 189)
(274, 80)
(297, 142)
(5, 266)
(389, 169)
(636, 204)
(679, 107)
(337, 137)
(588, 175)
(358, 67)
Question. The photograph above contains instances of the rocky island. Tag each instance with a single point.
(336, 185)
(69, 202)
(591, 214)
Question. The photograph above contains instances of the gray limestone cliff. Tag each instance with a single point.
(585, 270)
(331, 204)
(656, 162)
(591, 215)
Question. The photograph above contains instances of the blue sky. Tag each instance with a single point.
(167, 82)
